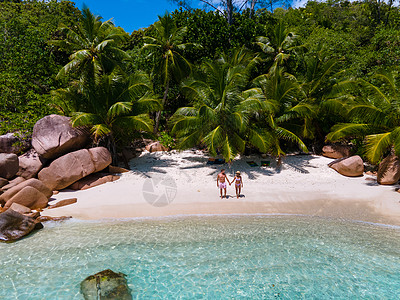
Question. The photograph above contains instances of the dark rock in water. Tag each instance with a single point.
(389, 170)
(54, 136)
(14, 225)
(106, 285)
(9, 165)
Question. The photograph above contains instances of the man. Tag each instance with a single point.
(221, 182)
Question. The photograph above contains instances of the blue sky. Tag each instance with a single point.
(135, 14)
(129, 14)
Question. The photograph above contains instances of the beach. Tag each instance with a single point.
(182, 183)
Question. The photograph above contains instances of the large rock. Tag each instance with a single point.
(11, 143)
(352, 166)
(30, 164)
(54, 136)
(12, 183)
(35, 183)
(336, 151)
(8, 165)
(14, 225)
(3, 182)
(93, 180)
(389, 170)
(156, 146)
(73, 166)
(22, 209)
(101, 158)
(29, 197)
(106, 285)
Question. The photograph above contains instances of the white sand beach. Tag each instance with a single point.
(183, 184)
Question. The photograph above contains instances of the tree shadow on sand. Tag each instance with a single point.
(150, 163)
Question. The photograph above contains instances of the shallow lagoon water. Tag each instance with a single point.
(212, 257)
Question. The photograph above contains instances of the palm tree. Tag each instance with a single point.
(375, 116)
(94, 46)
(113, 109)
(279, 44)
(165, 47)
(219, 116)
(324, 93)
(279, 93)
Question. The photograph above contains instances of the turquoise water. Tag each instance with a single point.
(242, 257)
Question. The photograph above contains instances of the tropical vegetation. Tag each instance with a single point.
(245, 79)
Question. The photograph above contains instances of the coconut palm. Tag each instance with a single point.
(375, 116)
(115, 108)
(94, 46)
(165, 47)
(324, 94)
(279, 93)
(279, 44)
(219, 116)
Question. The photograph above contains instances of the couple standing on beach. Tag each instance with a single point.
(221, 182)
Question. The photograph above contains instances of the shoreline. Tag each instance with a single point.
(305, 186)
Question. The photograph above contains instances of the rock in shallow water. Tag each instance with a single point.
(14, 225)
(106, 285)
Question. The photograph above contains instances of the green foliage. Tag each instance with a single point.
(166, 139)
(28, 65)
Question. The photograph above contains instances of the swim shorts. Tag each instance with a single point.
(222, 185)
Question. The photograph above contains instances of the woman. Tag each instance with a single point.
(238, 183)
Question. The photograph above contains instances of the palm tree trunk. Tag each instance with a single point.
(158, 114)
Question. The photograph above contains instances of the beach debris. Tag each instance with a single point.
(14, 225)
(53, 136)
(352, 166)
(252, 163)
(156, 147)
(389, 170)
(73, 166)
(30, 164)
(64, 202)
(336, 151)
(93, 180)
(215, 161)
(8, 165)
(106, 285)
